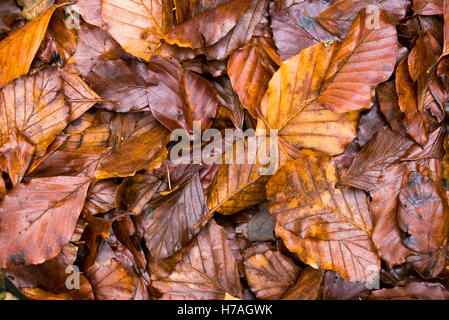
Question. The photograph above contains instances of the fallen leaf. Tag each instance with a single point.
(293, 111)
(337, 288)
(385, 148)
(270, 274)
(109, 277)
(339, 17)
(171, 225)
(428, 7)
(32, 8)
(307, 287)
(196, 276)
(137, 25)
(29, 36)
(296, 27)
(412, 291)
(384, 206)
(328, 228)
(27, 211)
(414, 122)
(250, 69)
(423, 216)
(190, 97)
(196, 32)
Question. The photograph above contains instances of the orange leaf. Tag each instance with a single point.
(17, 51)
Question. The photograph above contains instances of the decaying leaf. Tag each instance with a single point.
(191, 97)
(270, 274)
(196, 33)
(307, 287)
(422, 215)
(385, 148)
(224, 149)
(137, 25)
(198, 275)
(179, 211)
(329, 228)
(14, 60)
(289, 106)
(250, 69)
(296, 27)
(412, 291)
(30, 209)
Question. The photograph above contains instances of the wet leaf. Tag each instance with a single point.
(9, 14)
(49, 278)
(289, 106)
(412, 291)
(15, 157)
(40, 111)
(59, 40)
(414, 122)
(422, 215)
(328, 228)
(189, 96)
(171, 225)
(137, 25)
(341, 14)
(270, 274)
(241, 34)
(428, 7)
(347, 84)
(385, 148)
(337, 288)
(14, 60)
(307, 287)
(199, 275)
(384, 206)
(296, 27)
(110, 279)
(196, 32)
(250, 69)
(30, 209)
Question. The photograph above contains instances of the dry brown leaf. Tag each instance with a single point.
(412, 291)
(423, 216)
(384, 206)
(197, 33)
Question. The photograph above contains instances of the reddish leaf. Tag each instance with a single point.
(199, 275)
(296, 27)
(197, 32)
(28, 211)
(179, 97)
(250, 69)
(412, 291)
(171, 225)
(423, 216)
(270, 274)
(385, 148)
